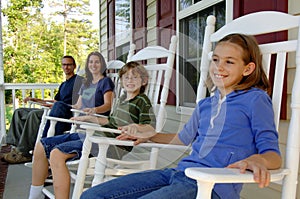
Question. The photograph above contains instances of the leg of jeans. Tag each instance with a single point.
(30, 131)
(179, 186)
(130, 186)
(63, 142)
(61, 110)
(17, 125)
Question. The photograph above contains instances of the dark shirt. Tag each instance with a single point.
(68, 90)
(93, 94)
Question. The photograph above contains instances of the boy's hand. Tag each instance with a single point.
(136, 132)
(256, 164)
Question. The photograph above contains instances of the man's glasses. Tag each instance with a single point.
(67, 64)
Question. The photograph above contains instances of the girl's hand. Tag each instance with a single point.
(136, 132)
(256, 164)
(136, 140)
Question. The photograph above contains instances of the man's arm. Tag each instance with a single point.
(41, 101)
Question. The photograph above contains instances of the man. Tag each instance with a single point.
(25, 122)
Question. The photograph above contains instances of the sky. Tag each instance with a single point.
(94, 8)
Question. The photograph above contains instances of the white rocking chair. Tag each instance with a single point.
(255, 24)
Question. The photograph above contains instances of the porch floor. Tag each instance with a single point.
(18, 181)
(15, 179)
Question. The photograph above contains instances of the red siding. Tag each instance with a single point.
(166, 23)
(243, 7)
(139, 33)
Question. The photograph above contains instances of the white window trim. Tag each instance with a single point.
(125, 39)
(188, 12)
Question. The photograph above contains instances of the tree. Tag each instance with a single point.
(34, 44)
(75, 27)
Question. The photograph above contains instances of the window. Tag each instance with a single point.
(122, 28)
(192, 16)
(122, 52)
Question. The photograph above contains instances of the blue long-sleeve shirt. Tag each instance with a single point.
(228, 130)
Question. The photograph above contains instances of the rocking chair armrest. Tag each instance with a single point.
(207, 177)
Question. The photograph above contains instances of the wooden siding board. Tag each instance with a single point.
(294, 7)
(151, 36)
(151, 10)
(151, 22)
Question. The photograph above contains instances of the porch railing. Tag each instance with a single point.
(23, 88)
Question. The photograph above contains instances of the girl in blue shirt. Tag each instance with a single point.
(233, 128)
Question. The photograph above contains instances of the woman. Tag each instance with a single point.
(95, 95)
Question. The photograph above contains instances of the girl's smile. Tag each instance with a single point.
(227, 67)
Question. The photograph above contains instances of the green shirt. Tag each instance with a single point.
(137, 110)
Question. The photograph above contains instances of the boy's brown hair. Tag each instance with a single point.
(138, 69)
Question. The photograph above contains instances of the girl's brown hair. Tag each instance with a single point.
(251, 53)
(136, 68)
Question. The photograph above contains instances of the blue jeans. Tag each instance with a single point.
(72, 143)
(66, 143)
(167, 183)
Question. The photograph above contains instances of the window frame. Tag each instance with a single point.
(183, 14)
(121, 41)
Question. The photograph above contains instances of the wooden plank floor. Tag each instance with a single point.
(3, 169)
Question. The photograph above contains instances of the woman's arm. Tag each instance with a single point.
(93, 119)
(108, 99)
(78, 103)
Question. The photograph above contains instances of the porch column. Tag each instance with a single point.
(2, 101)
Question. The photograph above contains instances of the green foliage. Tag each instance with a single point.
(34, 43)
(8, 115)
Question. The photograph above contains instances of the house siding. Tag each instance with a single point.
(151, 23)
(103, 29)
